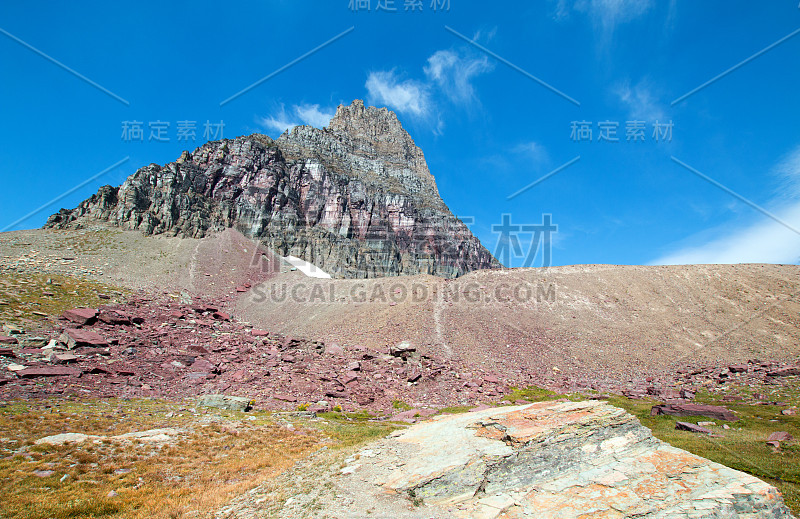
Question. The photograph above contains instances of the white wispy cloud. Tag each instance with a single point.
(765, 241)
(485, 36)
(312, 115)
(406, 96)
(309, 114)
(788, 172)
(641, 100)
(605, 15)
(610, 13)
(532, 150)
(448, 77)
(453, 74)
(278, 122)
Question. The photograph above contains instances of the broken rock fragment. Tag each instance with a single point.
(403, 350)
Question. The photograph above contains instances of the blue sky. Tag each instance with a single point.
(487, 126)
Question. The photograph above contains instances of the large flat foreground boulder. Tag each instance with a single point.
(556, 460)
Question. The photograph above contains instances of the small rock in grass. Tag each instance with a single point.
(780, 436)
(686, 426)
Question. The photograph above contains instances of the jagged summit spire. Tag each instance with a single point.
(365, 140)
(359, 120)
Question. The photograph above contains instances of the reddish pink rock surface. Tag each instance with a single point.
(81, 315)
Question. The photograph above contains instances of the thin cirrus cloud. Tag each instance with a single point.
(765, 241)
(309, 114)
(447, 74)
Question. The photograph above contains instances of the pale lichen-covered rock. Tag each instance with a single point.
(557, 460)
(150, 435)
(355, 199)
(231, 403)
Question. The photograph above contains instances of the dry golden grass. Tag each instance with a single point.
(221, 455)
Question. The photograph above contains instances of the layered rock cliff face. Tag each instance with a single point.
(356, 199)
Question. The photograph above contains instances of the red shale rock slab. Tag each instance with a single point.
(81, 316)
(114, 318)
(711, 411)
(74, 338)
(48, 371)
(691, 427)
(203, 366)
(784, 372)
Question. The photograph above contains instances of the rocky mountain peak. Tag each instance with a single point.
(355, 199)
(370, 143)
(367, 122)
